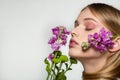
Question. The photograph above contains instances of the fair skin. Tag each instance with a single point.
(86, 24)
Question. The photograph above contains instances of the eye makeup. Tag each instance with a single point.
(90, 25)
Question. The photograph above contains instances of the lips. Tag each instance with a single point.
(73, 43)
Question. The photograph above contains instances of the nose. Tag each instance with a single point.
(74, 32)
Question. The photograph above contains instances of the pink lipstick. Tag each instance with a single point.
(72, 43)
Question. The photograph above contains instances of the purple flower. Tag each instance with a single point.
(63, 42)
(56, 31)
(52, 40)
(96, 37)
(65, 31)
(101, 47)
(63, 37)
(101, 41)
(55, 46)
(51, 56)
(59, 37)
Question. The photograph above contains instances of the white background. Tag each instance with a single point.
(25, 28)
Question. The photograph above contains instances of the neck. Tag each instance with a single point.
(93, 65)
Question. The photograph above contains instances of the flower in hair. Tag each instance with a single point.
(100, 41)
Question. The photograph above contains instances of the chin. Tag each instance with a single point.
(75, 53)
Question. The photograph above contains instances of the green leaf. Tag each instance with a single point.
(114, 36)
(57, 53)
(56, 67)
(66, 65)
(69, 68)
(53, 71)
(56, 60)
(64, 58)
(73, 61)
(46, 61)
(48, 68)
(61, 76)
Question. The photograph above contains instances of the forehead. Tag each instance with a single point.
(86, 13)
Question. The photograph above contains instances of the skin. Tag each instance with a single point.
(86, 24)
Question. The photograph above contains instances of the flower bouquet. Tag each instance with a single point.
(100, 41)
(57, 64)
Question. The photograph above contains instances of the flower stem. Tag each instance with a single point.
(51, 77)
(48, 76)
(54, 72)
(49, 73)
(60, 67)
(68, 68)
(51, 70)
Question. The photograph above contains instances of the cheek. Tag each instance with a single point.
(75, 52)
(79, 54)
(83, 38)
(92, 54)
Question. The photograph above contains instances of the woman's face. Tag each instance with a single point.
(85, 24)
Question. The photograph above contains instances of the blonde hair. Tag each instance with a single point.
(110, 17)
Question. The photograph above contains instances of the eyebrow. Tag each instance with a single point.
(76, 23)
(90, 19)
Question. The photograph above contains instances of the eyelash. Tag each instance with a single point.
(90, 27)
(87, 28)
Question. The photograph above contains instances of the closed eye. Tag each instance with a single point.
(90, 25)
